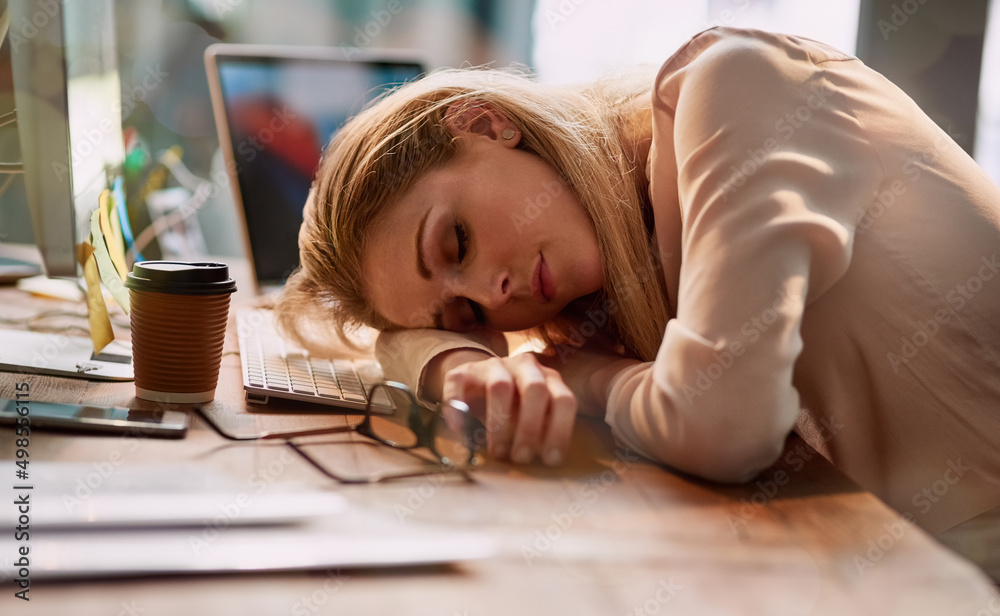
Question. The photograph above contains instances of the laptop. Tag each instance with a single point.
(276, 108)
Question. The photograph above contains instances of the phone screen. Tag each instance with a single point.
(116, 420)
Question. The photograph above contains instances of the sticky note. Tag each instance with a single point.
(111, 230)
(101, 333)
(105, 265)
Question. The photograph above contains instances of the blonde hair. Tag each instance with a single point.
(378, 156)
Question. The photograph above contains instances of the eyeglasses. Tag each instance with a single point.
(393, 418)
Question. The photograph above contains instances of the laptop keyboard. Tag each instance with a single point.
(273, 366)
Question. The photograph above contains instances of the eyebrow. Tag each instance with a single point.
(422, 269)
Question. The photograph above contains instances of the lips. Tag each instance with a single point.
(543, 288)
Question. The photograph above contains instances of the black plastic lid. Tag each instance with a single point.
(179, 278)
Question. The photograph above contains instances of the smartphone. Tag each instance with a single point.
(85, 418)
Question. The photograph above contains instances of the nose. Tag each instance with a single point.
(491, 290)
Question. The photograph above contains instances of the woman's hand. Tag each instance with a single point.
(527, 407)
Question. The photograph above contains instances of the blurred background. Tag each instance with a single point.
(945, 54)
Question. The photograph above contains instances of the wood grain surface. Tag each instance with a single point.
(607, 533)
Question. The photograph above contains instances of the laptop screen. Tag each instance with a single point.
(281, 112)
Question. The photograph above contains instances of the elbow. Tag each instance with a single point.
(730, 454)
(745, 444)
(742, 463)
(712, 437)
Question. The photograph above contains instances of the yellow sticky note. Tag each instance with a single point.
(101, 333)
(105, 266)
(118, 240)
(112, 238)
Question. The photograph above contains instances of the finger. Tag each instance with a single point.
(488, 388)
(562, 416)
(462, 384)
(499, 410)
(533, 404)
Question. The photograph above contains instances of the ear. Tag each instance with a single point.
(480, 119)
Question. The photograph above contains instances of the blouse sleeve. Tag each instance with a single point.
(772, 171)
(404, 354)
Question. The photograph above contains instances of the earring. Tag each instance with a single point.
(508, 133)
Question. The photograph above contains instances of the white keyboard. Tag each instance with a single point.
(275, 367)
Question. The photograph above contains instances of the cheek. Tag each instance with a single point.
(397, 298)
(419, 314)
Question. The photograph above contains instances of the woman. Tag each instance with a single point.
(772, 237)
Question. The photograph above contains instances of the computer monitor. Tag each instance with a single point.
(276, 107)
(68, 104)
(68, 100)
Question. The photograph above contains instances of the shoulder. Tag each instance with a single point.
(733, 57)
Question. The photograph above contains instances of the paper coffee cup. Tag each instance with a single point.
(178, 315)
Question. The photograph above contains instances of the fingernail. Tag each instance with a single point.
(553, 457)
(522, 455)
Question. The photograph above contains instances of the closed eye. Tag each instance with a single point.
(463, 240)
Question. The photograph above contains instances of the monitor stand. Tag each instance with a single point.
(61, 355)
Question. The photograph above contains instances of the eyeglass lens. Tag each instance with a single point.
(390, 417)
(446, 432)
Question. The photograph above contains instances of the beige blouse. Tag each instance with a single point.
(832, 260)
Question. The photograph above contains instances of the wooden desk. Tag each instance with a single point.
(606, 534)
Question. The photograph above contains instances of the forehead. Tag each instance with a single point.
(398, 224)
